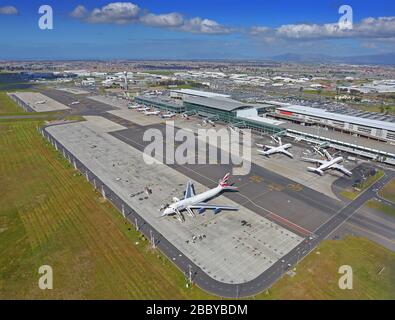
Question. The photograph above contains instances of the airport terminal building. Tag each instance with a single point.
(368, 138)
(369, 128)
(162, 104)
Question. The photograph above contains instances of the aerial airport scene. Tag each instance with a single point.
(180, 151)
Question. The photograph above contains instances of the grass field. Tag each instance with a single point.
(388, 192)
(161, 72)
(50, 215)
(375, 108)
(8, 106)
(317, 275)
(352, 194)
(323, 92)
(374, 204)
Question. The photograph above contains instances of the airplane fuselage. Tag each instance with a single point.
(330, 163)
(183, 204)
(153, 113)
(282, 148)
(278, 149)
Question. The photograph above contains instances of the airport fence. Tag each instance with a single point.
(20, 102)
(156, 239)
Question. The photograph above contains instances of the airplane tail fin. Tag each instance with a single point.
(320, 172)
(224, 183)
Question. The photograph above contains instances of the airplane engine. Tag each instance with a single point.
(216, 211)
(201, 210)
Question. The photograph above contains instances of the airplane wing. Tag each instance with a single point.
(274, 139)
(342, 169)
(328, 155)
(280, 143)
(262, 152)
(204, 206)
(267, 152)
(289, 154)
(313, 160)
(189, 192)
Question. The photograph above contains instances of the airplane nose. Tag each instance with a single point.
(167, 211)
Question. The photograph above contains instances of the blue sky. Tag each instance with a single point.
(186, 29)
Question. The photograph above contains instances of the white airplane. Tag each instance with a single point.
(133, 106)
(206, 121)
(74, 102)
(281, 148)
(192, 201)
(168, 115)
(151, 113)
(41, 102)
(331, 163)
(143, 109)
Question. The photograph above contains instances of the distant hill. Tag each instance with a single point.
(378, 59)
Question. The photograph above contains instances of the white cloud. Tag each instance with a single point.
(163, 20)
(199, 25)
(79, 12)
(382, 27)
(127, 12)
(8, 10)
(116, 12)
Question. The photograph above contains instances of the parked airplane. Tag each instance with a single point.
(131, 106)
(281, 148)
(192, 201)
(74, 102)
(168, 116)
(151, 113)
(331, 163)
(206, 121)
(41, 102)
(143, 109)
